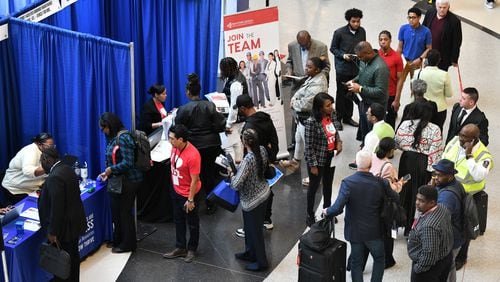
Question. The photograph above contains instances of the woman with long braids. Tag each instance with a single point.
(254, 191)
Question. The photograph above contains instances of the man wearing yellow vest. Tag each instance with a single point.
(473, 161)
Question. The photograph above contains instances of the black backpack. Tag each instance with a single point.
(470, 218)
(142, 151)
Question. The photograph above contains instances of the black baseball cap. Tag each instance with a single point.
(243, 100)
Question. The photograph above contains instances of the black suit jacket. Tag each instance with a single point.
(149, 115)
(60, 206)
(451, 37)
(476, 117)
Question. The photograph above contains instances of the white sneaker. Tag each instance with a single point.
(489, 5)
(305, 181)
(268, 225)
(240, 232)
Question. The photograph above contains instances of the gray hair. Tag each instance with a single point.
(418, 87)
(443, 2)
(364, 159)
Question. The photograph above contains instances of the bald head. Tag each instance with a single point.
(364, 51)
(304, 39)
(470, 130)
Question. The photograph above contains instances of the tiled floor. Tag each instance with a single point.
(480, 68)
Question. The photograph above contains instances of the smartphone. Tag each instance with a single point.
(407, 177)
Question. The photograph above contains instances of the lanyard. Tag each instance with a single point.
(178, 155)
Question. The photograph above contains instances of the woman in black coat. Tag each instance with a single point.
(153, 111)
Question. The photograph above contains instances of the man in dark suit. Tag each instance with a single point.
(61, 209)
(299, 52)
(362, 194)
(466, 112)
(446, 31)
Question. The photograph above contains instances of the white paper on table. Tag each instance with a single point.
(220, 101)
(31, 213)
(31, 225)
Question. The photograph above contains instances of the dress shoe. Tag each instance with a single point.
(244, 256)
(351, 122)
(459, 264)
(118, 250)
(255, 267)
(353, 166)
(390, 264)
(175, 253)
(189, 257)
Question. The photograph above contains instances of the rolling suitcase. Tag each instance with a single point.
(481, 199)
(327, 265)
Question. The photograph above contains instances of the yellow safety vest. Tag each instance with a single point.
(451, 153)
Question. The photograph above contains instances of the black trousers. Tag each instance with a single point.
(391, 116)
(122, 213)
(364, 125)
(269, 207)
(209, 174)
(72, 248)
(181, 219)
(343, 99)
(437, 273)
(11, 199)
(254, 234)
(326, 174)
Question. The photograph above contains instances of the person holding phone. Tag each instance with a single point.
(185, 167)
(473, 161)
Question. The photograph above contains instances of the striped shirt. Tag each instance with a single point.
(431, 239)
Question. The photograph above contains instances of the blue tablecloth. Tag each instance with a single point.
(23, 257)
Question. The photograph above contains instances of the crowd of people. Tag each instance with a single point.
(441, 170)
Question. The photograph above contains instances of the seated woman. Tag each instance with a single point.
(25, 173)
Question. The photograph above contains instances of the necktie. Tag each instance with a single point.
(461, 117)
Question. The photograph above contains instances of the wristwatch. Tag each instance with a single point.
(190, 201)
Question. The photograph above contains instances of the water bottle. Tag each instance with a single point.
(84, 172)
(76, 166)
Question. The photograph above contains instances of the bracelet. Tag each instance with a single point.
(190, 201)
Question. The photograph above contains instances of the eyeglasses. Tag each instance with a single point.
(412, 17)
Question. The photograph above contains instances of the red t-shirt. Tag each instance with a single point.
(395, 65)
(330, 132)
(183, 163)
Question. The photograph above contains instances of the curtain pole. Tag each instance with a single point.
(132, 85)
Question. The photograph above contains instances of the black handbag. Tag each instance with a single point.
(55, 260)
(115, 184)
(270, 172)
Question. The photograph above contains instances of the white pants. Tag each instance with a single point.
(232, 143)
(299, 142)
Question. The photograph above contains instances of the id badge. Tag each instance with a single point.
(175, 178)
(394, 233)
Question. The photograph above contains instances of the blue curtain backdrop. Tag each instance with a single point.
(171, 38)
(67, 81)
(9, 106)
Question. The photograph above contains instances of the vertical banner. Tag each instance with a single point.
(252, 39)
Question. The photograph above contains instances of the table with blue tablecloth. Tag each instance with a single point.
(23, 257)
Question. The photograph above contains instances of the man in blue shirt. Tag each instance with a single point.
(450, 195)
(415, 40)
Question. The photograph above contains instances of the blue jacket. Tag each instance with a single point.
(454, 205)
(362, 195)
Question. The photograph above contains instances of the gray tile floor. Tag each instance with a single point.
(479, 66)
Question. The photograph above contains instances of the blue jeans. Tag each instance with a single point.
(376, 248)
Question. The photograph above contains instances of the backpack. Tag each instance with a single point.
(470, 218)
(142, 151)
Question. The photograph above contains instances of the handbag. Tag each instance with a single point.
(224, 196)
(55, 260)
(115, 184)
(392, 214)
(270, 172)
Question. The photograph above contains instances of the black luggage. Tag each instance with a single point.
(481, 199)
(327, 265)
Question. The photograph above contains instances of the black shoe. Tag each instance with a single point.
(339, 126)
(459, 264)
(291, 147)
(177, 252)
(189, 257)
(353, 166)
(351, 122)
(118, 250)
(389, 265)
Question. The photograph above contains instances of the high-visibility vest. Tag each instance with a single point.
(451, 153)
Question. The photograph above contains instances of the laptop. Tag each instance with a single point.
(11, 215)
